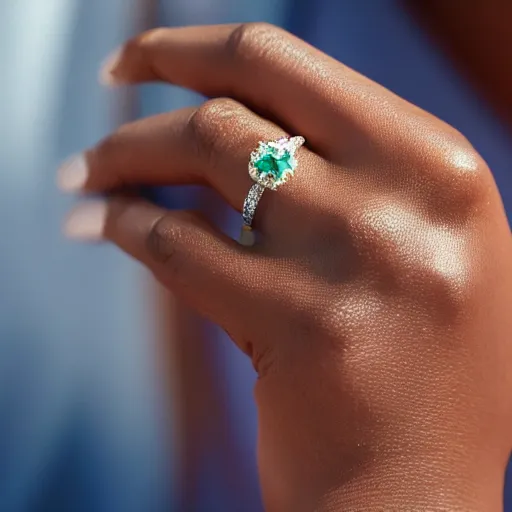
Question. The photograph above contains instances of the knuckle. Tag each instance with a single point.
(164, 242)
(446, 292)
(460, 179)
(249, 41)
(208, 125)
(466, 178)
(150, 37)
(139, 49)
(106, 150)
(406, 255)
(106, 162)
(376, 230)
(144, 51)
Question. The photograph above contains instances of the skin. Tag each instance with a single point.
(376, 304)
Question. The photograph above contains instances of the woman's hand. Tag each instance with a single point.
(376, 307)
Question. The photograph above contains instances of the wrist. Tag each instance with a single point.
(410, 485)
(370, 477)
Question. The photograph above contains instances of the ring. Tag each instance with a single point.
(270, 165)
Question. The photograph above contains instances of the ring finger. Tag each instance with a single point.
(210, 145)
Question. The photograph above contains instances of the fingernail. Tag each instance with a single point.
(72, 174)
(87, 222)
(106, 75)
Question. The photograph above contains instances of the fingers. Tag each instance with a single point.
(182, 249)
(209, 145)
(260, 65)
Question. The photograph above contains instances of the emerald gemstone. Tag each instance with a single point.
(274, 162)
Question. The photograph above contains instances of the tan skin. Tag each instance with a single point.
(376, 304)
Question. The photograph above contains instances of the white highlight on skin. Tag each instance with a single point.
(439, 247)
(463, 160)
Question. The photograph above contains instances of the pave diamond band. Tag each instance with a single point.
(271, 164)
(248, 211)
(251, 202)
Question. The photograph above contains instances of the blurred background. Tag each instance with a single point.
(113, 397)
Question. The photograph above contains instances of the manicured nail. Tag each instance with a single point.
(87, 222)
(73, 174)
(106, 74)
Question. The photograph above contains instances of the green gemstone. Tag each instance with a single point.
(274, 162)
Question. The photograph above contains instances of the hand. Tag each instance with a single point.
(375, 307)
